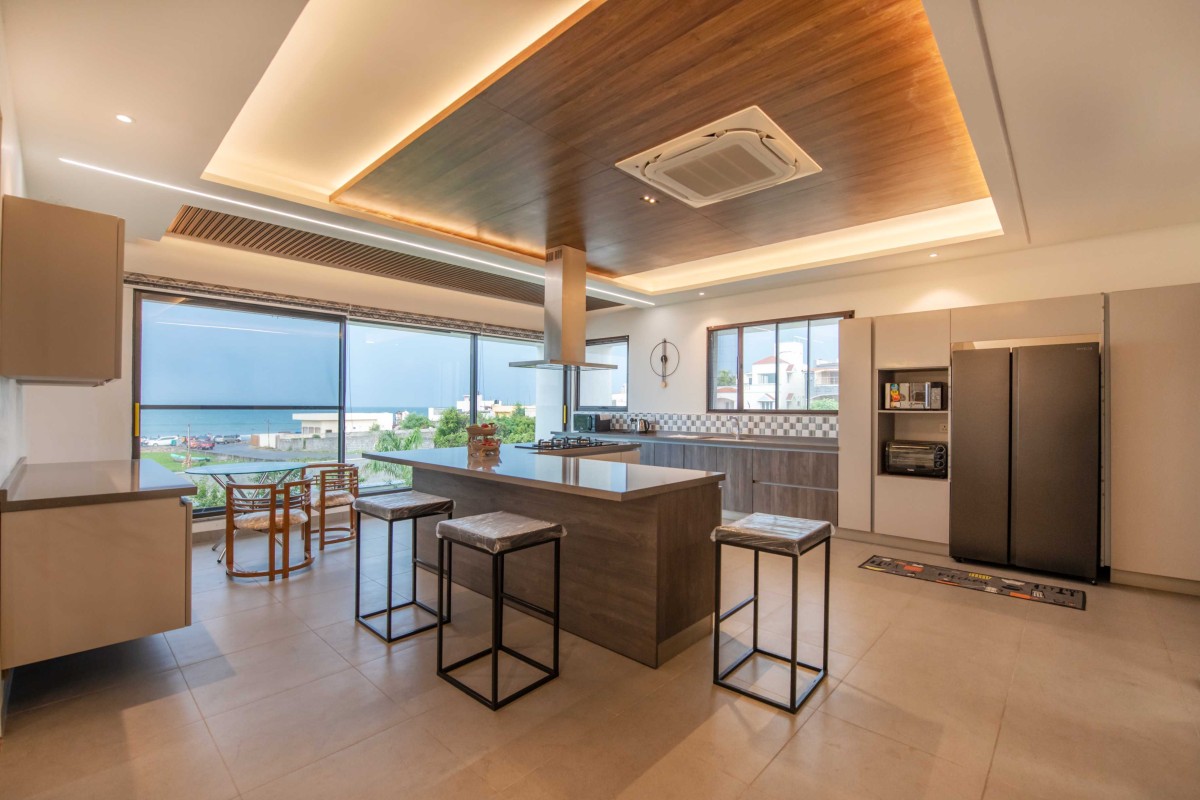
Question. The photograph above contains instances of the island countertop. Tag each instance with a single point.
(34, 486)
(606, 480)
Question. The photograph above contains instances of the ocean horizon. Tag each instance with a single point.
(237, 422)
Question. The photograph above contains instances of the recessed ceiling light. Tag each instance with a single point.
(649, 199)
(128, 120)
(702, 294)
(933, 255)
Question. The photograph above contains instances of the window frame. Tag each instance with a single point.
(604, 340)
(343, 321)
(740, 328)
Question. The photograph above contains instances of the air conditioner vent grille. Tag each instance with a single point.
(736, 155)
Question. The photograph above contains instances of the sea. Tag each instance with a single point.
(233, 422)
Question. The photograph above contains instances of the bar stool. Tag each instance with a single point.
(274, 509)
(335, 486)
(785, 536)
(392, 508)
(497, 535)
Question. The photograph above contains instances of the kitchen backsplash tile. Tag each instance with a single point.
(818, 425)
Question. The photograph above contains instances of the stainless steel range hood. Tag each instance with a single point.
(566, 322)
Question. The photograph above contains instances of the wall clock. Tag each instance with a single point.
(664, 360)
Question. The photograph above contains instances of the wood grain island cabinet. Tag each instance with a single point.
(61, 273)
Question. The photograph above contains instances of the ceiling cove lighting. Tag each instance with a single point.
(331, 225)
(128, 120)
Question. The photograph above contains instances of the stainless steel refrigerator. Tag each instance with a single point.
(1025, 450)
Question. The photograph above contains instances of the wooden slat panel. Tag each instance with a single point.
(278, 240)
(529, 161)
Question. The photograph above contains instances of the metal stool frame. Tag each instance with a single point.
(365, 620)
(499, 596)
(720, 675)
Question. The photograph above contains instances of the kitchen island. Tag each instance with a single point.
(637, 562)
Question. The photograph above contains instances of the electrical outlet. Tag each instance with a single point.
(944, 428)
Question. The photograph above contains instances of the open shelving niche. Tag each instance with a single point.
(911, 424)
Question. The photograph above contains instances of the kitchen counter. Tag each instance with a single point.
(814, 444)
(605, 480)
(63, 485)
(637, 562)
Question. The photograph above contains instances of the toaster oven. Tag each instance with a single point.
(928, 459)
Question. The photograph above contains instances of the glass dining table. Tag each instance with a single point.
(260, 472)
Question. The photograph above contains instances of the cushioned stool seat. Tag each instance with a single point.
(787, 536)
(499, 531)
(791, 538)
(403, 505)
(393, 508)
(261, 520)
(339, 497)
(498, 535)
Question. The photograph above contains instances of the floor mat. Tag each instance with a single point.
(979, 581)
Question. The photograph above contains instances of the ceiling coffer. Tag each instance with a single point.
(736, 155)
(565, 315)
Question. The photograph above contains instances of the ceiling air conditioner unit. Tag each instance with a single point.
(735, 155)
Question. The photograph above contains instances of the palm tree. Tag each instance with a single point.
(390, 441)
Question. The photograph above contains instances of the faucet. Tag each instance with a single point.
(737, 423)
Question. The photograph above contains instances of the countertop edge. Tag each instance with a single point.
(8, 505)
(583, 491)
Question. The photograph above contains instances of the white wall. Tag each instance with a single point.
(1160, 257)
(64, 423)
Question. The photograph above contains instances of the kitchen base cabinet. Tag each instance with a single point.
(737, 492)
(796, 501)
(86, 576)
(916, 508)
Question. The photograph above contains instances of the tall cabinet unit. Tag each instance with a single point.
(855, 423)
(911, 348)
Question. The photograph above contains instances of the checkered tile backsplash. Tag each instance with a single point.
(820, 425)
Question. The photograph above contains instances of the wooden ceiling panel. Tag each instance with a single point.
(529, 162)
(217, 227)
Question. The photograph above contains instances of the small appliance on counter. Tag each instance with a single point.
(927, 459)
(928, 396)
(640, 424)
(591, 423)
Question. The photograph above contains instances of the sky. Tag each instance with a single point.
(199, 355)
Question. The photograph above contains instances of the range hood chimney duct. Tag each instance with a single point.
(566, 310)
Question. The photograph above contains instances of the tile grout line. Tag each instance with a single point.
(1007, 694)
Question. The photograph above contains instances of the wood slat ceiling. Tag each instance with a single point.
(528, 162)
(277, 240)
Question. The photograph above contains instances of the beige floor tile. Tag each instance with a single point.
(81, 673)
(48, 749)
(403, 761)
(970, 617)
(182, 764)
(356, 644)
(1178, 620)
(320, 578)
(917, 688)
(233, 632)
(406, 672)
(228, 599)
(227, 682)
(270, 738)
(1089, 718)
(830, 758)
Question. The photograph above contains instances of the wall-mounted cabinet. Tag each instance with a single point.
(905, 341)
(61, 273)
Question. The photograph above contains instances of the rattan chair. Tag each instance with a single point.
(335, 485)
(274, 509)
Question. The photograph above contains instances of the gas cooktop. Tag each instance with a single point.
(563, 443)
